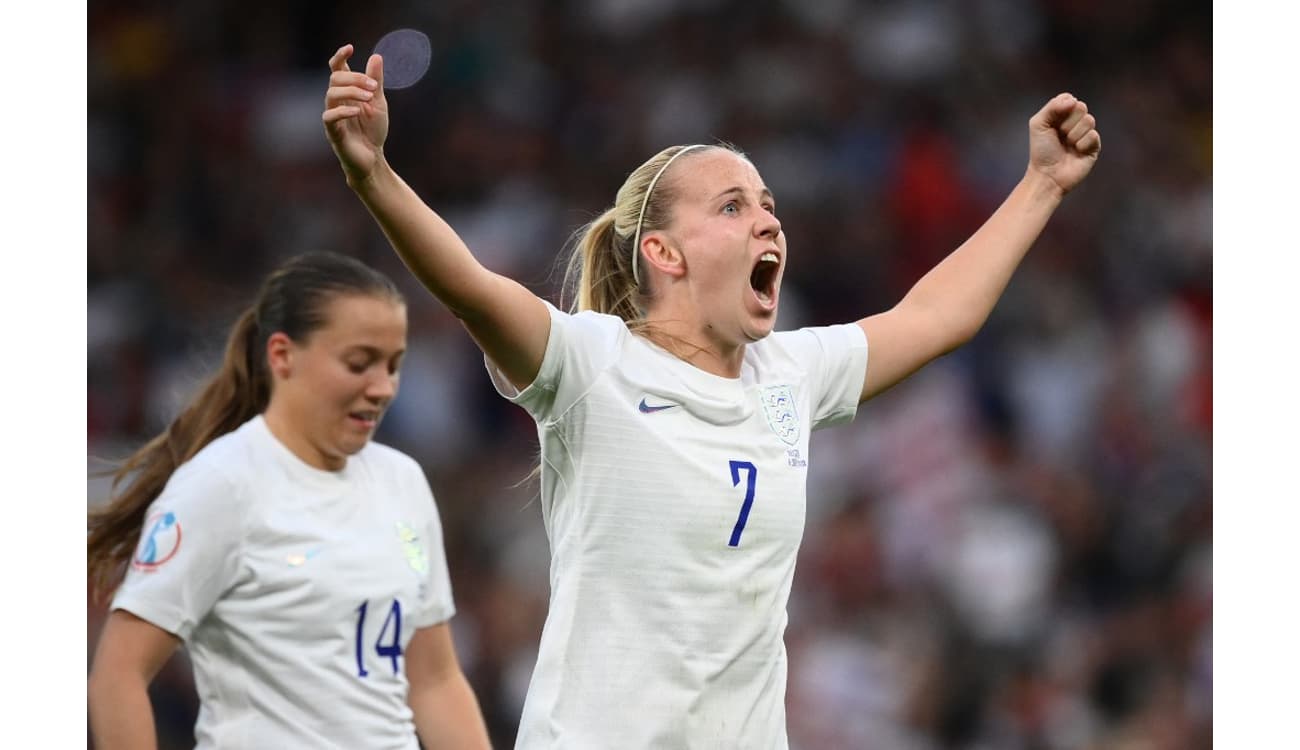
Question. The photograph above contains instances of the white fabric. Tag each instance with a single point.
(262, 568)
(660, 634)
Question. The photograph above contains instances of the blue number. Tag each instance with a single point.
(361, 622)
(736, 466)
(394, 648)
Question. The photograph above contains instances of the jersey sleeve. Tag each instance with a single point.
(188, 552)
(836, 361)
(579, 349)
(436, 604)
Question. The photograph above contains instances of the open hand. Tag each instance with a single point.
(1063, 141)
(356, 114)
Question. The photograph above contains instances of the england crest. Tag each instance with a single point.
(778, 407)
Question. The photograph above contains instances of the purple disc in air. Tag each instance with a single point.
(406, 54)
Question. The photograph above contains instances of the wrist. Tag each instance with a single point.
(1042, 186)
(365, 183)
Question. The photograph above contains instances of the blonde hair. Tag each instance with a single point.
(601, 273)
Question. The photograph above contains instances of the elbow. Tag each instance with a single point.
(963, 334)
(101, 686)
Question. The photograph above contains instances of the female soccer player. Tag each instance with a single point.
(673, 423)
(300, 563)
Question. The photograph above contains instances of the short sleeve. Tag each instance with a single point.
(580, 347)
(836, 360)
(188, 552)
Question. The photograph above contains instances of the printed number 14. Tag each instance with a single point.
(391, 650)
(736, 466)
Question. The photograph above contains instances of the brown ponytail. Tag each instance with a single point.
(238, 392)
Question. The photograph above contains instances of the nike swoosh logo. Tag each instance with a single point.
(299, 558)
(648, 409)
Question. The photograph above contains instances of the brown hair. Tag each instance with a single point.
(292, 300)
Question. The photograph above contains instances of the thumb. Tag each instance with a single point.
(375, 69)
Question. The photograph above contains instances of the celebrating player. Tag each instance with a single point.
(674, 423)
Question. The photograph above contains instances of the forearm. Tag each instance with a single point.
(121, 716)
(428, 246)
(962, 289)
(447, 715)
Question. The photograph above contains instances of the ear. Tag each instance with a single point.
(279, 355)
(659, 250)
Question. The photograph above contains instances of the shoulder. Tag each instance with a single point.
(588, 324)
(805, 352)
(224, 462)
(812, 340)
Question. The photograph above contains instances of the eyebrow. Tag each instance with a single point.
(741, 190)
(372, 351)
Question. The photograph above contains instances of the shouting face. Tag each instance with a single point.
(732, 251)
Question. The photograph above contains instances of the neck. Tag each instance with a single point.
(697, 344)
(280, 423)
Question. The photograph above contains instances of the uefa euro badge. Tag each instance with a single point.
(159, 542)
(778, 407)
(412, 548)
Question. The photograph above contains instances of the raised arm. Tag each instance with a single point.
(951, 302)
(510, 323)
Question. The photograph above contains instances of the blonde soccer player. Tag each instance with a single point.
(674, 422)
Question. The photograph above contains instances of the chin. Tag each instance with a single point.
(757, 333)
(352, 446)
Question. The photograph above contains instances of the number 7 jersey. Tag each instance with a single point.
(674, 503)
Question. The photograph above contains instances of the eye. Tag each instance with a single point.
(731, 208)
(357, 368)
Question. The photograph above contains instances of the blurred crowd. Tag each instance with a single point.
(1012, 549)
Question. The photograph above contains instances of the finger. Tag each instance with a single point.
(375, 69)
(339, 113)
(1054, 112)
(1089, 144)
(1080, 129)
(349, 78)
(339, 61)
(1072, 118)
(336, 95)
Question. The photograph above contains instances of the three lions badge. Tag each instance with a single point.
(778, 407)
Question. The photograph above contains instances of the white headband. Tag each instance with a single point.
(636, 243)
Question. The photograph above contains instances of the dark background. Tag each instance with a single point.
(1011, 550)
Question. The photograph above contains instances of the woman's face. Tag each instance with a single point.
(725, 225)
(338, 382)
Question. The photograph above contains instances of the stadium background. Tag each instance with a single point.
(1011, 550)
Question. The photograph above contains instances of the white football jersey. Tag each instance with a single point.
(295, 590)
(673, 500)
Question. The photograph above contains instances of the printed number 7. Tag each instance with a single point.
(736, 466)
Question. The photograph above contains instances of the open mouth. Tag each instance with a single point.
(365, 419)
(763, 278)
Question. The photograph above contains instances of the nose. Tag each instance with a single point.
(768, 226)
(382, 388)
